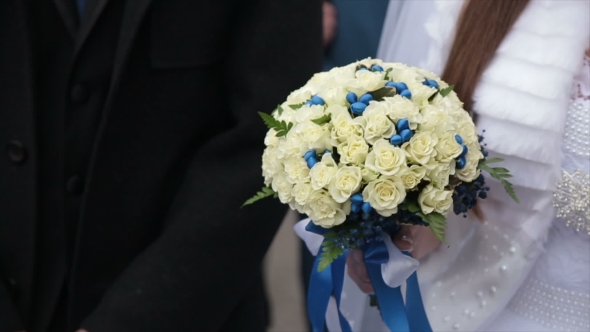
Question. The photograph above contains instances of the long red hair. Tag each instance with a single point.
(482, 26)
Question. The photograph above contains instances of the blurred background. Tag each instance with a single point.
(283, 280)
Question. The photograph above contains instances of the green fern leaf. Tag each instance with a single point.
(281, 127)
(297, 106)
(501, 174)
(445, 92)
(387, 73)
(264, 193)
(324, 119)
(437, 224)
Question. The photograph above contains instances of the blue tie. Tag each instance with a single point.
(81, 4)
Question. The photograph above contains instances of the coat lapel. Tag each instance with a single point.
(134, 13)
(68, 15)
(95, 8)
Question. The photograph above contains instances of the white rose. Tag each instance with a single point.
(468, 132)
(324, 211)
(436, 120)
(449, 105)
(308, 112)
(319, 81)
(300, 95)
(413, 176)
(385, 194)
(271, 164)
(353, 151)
(403, 73)
(433, 199)
(342, 75)
(447, 148)
(368, 175)
(428, 74)
(470, 172)
(343, 126)
(288, 115)
(376, 124)
(420, 92)
(322, 172)
(313, 136)
(296, 169)
(271, 138)
(420, 148)
(366, 81)
(345, 182)
(333, 93)
(301, 192)
(401, 107)
(440, 173)
(368, 62)
(291, 146)
(282, 187)
(386, 158)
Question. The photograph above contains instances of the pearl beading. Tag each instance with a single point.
(553, 307)
(576, 138)
(572, 200)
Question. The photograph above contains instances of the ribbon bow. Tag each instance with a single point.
(397, 315)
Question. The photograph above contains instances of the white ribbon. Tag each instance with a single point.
(395, 272)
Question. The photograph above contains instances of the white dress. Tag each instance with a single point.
(556, 294)
(498, 275)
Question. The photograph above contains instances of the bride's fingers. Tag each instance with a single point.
(478, 213)
(356, 264)
(404, 238)
(361, 279)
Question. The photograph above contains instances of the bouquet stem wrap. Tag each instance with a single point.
(397, 315)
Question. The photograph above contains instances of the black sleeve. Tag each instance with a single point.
(209, 254)
(9, 319)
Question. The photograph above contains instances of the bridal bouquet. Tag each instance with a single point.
(365, 148)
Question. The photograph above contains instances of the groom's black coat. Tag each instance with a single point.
(131, 140)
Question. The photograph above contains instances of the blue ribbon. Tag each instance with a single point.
(393, 310)
(391, 302)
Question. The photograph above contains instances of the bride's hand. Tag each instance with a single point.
(418, 240)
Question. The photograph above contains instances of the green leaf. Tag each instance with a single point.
(373, 302)
(510, 190)
(331, 235)
(387, 73)
(279, 110)
(264, 193)
(437, 218)
(492, 161)
(329, 253)
(281, 127)
(324, 119)
(325, 261)
(501, 174)
(297, 106)
(431, 98)
(383, 92)
(445, 92)
(437, 224)
(412, 207)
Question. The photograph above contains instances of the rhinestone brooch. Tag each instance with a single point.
(572, 200)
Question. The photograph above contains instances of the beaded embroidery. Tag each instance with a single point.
(572, 196)
(572, 200)
(553, 307)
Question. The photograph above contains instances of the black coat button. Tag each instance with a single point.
(75, 185)
(16, 152)
(79, 94)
